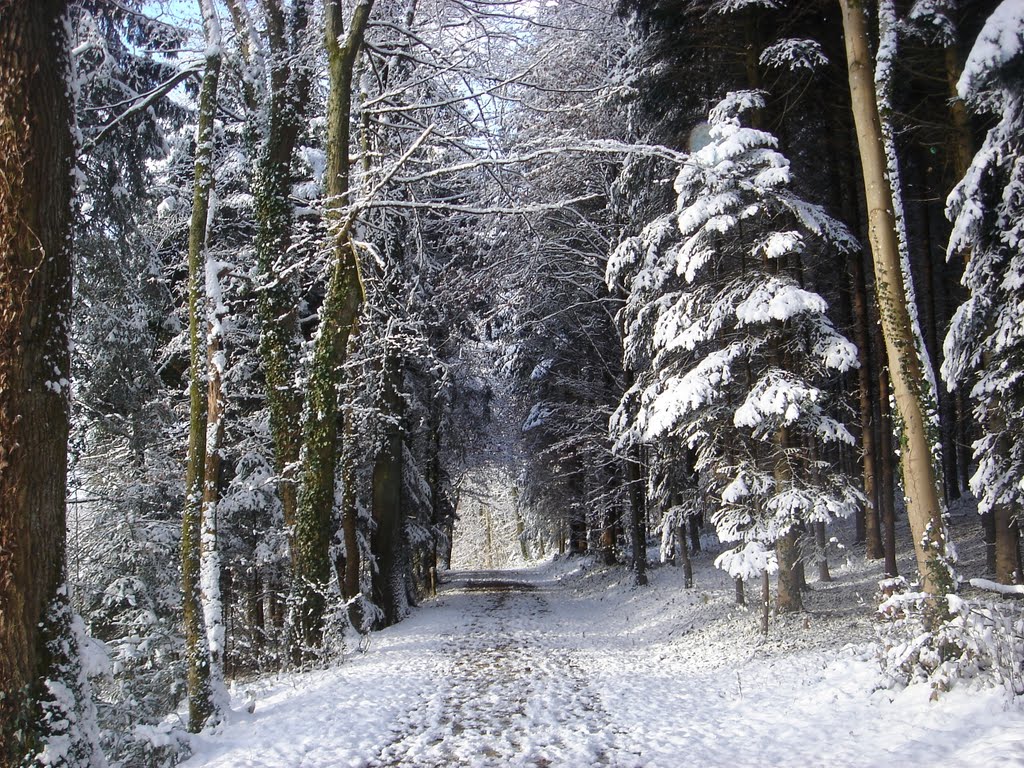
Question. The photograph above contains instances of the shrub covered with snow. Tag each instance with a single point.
(978, 639)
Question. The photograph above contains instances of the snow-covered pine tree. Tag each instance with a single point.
(733, 355)
(985, 345)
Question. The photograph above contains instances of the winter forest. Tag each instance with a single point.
(511, 383)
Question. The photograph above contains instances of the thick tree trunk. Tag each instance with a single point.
(694, 525)
(275, 119)
(1007, 546)
(909, 385)
(36, 157)
(788, 554)
(201, 704)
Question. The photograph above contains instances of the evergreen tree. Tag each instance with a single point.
(738, 353)
(985, 344)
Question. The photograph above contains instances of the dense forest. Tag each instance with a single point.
(292, 290)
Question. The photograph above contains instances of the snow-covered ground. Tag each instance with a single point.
(567, 665)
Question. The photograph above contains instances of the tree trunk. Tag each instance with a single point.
(201, 701)
(694, 525)
(338, 323)
(908, 379)
(350, 528)
(869, 451)
(683, 557)
(386, 541)
(766, 605)
(275, 119)
(887, 465)
(638, 540)
(821, 544)
(36, 159)
(216, 365)
(1007, 545)
(787, 552)
(988, 530)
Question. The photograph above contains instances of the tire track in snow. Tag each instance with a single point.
(515, 694)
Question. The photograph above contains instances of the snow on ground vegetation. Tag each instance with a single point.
(566, 664)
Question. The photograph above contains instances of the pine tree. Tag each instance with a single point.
(739, 353)
(985, 344)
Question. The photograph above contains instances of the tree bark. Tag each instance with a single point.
(908, 379)
(201, 704)
(216, 364)
(276, 111)
(869, 451)
(887, 466)
(638, 540)
(386, 541)
(683, 557)
(36, 157)
(821, 544)
(338, 323)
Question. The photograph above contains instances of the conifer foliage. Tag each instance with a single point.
(733, 355)
(985, 345)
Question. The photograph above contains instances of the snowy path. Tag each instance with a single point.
(523, 669)
(511, 695)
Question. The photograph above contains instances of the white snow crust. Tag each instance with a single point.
(569, 665)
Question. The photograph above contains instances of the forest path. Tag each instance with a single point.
(514, 692)
(568, 665)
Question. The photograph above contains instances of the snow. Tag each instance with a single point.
(567, 664)
(1003, 589)
(1001, 40)
(795, 54)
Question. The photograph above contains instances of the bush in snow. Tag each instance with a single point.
(733, 356)
(980, 640)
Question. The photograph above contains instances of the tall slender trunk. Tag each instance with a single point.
(201, 704)
(276, 109)
(683, 556)
(386, 541)
(36, 158)
(869, 450)
(786, 550)
(887, 467)
(338, 323)
(210, 568)
(908, 379)
(821, 544)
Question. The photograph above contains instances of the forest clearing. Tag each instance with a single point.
(543, 383)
